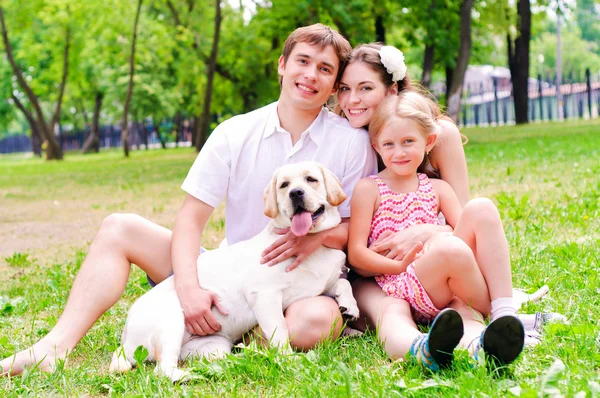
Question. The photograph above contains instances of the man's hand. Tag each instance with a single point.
(197, 305)
(290, 245)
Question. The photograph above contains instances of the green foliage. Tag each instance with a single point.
(175, 37)
(19, 260)
(587, 13)
(577, 54)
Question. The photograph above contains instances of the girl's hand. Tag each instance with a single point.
(413, 254)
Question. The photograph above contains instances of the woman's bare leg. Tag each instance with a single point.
(481, 228)
(390, 316)
(472, 321)
(122, 239)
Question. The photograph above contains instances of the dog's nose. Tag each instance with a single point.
(296, 193)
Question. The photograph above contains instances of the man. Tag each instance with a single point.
(236, 163)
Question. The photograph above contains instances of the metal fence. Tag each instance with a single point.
(491, 103)
(110, 137)
(483, 104)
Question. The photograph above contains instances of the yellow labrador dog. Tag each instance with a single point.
(301, 196)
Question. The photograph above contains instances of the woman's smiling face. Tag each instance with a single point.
(359, 93)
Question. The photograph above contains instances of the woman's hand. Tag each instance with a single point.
(396, 245)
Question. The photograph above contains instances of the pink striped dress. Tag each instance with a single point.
(396, 212)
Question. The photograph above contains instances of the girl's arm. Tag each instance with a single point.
(448, 156)
(362, 208)
(447, 201)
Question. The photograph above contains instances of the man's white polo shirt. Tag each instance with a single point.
(241, 155)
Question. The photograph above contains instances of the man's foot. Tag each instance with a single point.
(502, 341)
(435, 350)
(39, 356)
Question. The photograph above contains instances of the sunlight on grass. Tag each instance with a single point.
(543, 177)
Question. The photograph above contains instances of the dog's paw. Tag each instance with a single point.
(180, 376)
(119, 363)
(350, 312)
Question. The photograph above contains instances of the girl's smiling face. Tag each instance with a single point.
(402, 146)
(359, 93)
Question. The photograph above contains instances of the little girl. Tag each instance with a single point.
(472, 263)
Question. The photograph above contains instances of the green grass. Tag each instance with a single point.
(543, 177)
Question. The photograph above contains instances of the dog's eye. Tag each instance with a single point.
(310, 179)
(284, 185)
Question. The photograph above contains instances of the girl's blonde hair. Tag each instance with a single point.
(408, 105)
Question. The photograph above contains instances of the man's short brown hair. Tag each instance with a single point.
(322, 36)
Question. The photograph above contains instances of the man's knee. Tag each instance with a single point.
(312, 321)
(116, 227)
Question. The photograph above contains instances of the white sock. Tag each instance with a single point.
(501, 307)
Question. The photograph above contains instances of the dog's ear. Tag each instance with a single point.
(270, 197)
(335, 194)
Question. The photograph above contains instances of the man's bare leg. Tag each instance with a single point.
(309, 322)
(312, 321)
(122, 239)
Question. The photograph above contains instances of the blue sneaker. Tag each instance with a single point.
(502, 341)
(435, 350)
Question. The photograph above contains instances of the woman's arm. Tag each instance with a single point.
(448, 156)
(363, 206)
(448, 201)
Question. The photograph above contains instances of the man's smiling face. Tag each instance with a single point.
(308, 76)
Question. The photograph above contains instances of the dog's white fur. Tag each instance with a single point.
(252, 293)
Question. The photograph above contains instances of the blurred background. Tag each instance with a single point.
(74, 73)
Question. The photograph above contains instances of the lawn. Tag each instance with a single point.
(543, 177)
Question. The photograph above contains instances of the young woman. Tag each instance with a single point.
(374, 72)
(472, 263)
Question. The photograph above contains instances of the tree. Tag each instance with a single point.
(124, 126)
(53, 149)
(202, 136)
(462, 60)
(518, 61)
(587, 14)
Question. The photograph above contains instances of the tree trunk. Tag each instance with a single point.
(464, 52)
(449, 73)
(197, 125)
(92, 142)
(36, 141)
(379, 29)
(53, 149)
(427, 65)
(144, 134)
(518, 61)
(429, 51)
(205, 120)
(124, 126)
(63, 82)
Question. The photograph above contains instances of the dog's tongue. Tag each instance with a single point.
(301, 223)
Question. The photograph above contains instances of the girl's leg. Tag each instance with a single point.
(397, 331)
(122, 239)
(502, 341)
(481, 228)
(449, 269)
